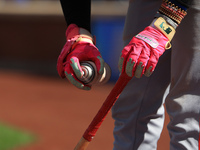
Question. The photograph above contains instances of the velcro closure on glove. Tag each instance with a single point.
(165, 28)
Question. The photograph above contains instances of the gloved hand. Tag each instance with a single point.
(79, 47)
(141, 55)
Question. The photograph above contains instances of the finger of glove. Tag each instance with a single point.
(74, 63)
(132, 60)
(153, 60)
(139, 70)
(123, 57)
(142, 62)
(99, 62)
(95, 56)
(73, 79)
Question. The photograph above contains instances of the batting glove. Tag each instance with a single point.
(141, 55)
(79, 47)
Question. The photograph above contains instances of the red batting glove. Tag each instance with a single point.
(79, 47)
(141, 55)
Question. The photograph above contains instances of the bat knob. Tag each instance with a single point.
(90, 75)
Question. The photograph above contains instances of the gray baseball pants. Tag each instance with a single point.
(139, 111)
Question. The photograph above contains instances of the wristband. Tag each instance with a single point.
(172, 11)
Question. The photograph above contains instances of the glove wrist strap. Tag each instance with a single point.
(82, 34)
(164, 27)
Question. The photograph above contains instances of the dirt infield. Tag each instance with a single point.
(56, 112)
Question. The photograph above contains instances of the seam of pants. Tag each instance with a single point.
(136, 123)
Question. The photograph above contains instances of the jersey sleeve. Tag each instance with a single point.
(77, 12)
(183, 4)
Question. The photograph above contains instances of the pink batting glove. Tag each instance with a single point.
(141, 55)
(79, 47)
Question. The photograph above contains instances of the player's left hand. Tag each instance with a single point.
(141, 55)
(79, 47)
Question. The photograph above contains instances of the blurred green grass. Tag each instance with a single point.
(11, 137)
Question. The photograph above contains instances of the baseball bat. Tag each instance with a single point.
(103, 111)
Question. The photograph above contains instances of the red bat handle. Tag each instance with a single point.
(103, 111)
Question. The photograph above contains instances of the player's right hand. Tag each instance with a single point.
(79, 47)
(141, 55)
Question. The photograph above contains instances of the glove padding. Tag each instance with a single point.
(141, 55)
(79, 47)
